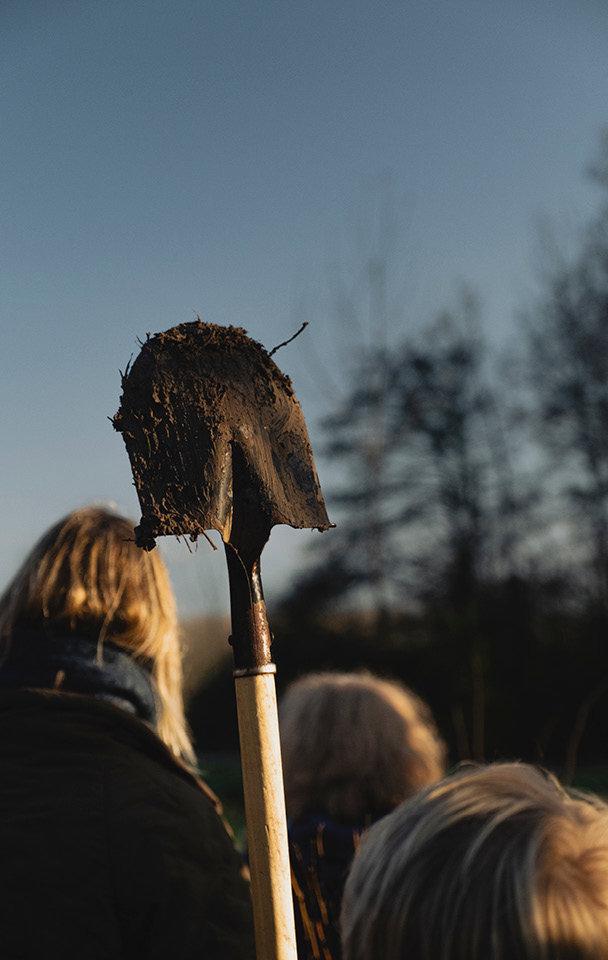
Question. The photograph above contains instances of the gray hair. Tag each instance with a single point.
(494, 863)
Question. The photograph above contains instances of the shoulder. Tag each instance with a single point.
(172, 859)
(161, 851)
(77, 746)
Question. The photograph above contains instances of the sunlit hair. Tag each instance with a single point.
(87, 576)
(355, 745)
(495, 863)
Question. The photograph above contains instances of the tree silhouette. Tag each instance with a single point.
(427, 509)
(568, 357)
(470, 564)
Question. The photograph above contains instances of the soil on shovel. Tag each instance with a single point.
(211, 425)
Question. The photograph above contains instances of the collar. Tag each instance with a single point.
(41, 659)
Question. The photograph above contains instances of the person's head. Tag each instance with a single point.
(498, 862)
(86, 576)
(355, 745)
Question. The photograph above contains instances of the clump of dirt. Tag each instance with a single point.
(216, 438)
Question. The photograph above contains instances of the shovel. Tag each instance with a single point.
(217, 440)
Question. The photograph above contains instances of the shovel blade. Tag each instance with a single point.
(216, 439)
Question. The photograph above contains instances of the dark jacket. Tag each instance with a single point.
(109, 847)
(320, 851)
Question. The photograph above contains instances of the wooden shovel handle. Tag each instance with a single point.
(261, 761)
(265, 814)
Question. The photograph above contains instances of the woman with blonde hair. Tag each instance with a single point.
(111, 845)
(354, 746)
(496, 862)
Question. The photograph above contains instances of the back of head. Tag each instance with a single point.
(86, 576)
(498, 862)
(355, 745)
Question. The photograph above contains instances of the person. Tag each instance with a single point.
(110, 845)
(354, 745)
(497, 862)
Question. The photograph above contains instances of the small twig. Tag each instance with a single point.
(193, 538)
(123, 376)
(183, 537)
(285, 342)
(209, 540)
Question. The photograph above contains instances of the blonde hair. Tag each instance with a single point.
(86, 575)
(355, 745)
(499, 862)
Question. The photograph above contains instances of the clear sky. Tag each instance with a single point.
(165, 159)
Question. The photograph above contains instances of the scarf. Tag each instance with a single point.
(78, 664)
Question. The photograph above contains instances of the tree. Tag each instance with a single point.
(445, 568)
(427, 498)
(568, 355)
(427, 508)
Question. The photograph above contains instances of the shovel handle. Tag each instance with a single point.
(261, 762)
(265, 814)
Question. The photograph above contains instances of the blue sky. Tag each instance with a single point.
(161, 160)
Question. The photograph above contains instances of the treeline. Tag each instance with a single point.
(470, 556)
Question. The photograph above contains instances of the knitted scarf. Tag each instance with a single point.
(78, 664)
